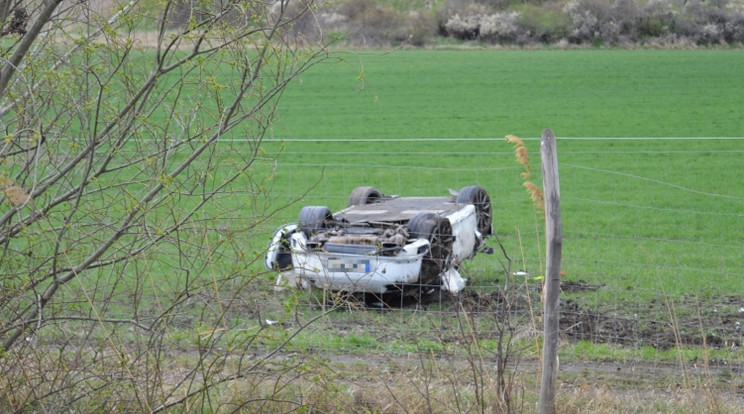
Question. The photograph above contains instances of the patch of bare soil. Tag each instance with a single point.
(714, 324)
(691, 321)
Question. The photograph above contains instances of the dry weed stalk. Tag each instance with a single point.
(520, 151)
(536, 195)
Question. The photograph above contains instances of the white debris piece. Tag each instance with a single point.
(452, 281)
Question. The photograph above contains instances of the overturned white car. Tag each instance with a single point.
(383, 244)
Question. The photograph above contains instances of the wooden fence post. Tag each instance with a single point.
(554, 241)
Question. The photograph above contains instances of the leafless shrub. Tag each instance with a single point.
(658, 18)
(595, 20)
(611, 22)
(500, 27)
(734, 28)
(314, 22)
(544, 24)
(110, 300)
(467, 27)
(371, 24)
(421, 27)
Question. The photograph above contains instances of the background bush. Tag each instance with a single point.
(544, 24)
(375, 23)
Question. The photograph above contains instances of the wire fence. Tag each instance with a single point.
(653, 257)
(652, 293)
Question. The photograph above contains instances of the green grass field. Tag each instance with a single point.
(640, 197)
(650, 144)
(490, 93)
(652, 206)
(652, 209)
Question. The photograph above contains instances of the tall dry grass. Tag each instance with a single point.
(522, 156)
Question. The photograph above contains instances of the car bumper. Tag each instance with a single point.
(356, 273)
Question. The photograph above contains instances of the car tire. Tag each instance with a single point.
(312, 219)
(364, 195)
(438, 230)
(478, 197)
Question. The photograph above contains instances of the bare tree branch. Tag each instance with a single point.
(133, 183)
(9, 68)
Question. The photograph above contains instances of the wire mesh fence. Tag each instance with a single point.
(651, 290)
(653, 260)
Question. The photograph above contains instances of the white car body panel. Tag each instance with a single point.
(353, 255)
(351, 272)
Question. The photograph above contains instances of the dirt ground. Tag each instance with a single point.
(608, 383)
(714, 323)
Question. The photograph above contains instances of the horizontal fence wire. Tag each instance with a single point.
(652, 258)
(652, 282)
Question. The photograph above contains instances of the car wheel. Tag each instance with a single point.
(478, 197)
(438, 230)
(364, 195)
(313, 219)
(279, 252)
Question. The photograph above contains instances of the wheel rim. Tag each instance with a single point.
(438, 231)
(440, 241)
(483, 209)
